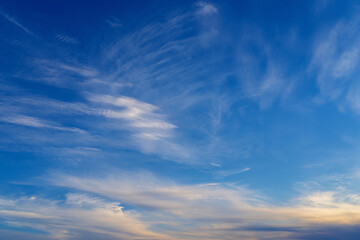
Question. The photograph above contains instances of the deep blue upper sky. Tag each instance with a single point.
(179, 119)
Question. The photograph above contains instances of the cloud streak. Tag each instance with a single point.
(14, 21)
(37, 123)
(66, 39)
(114, 22)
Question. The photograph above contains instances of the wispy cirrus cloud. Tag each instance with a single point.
(139, 114)
(37, 123)
(169, 89)
(128, 65)
(114, 22)
(206, 8)
(132, 123)
(149, 129)
(335, 63)
(264, 78)
(67, 39)
(15, 22)
(226, 173)
(62, 74)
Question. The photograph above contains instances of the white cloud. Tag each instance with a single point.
(147, 126)
(215, 165)
(150, 131)
(140, 114)
(22, 214)
(163, 209)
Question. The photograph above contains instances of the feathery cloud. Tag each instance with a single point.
(67, 39)
(335, 63)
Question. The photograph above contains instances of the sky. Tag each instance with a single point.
(172, 120)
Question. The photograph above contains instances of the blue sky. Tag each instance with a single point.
(179, 119)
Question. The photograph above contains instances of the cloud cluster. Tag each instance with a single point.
(163, 209)
(132, 123)
(74, 217)
(154, 62)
